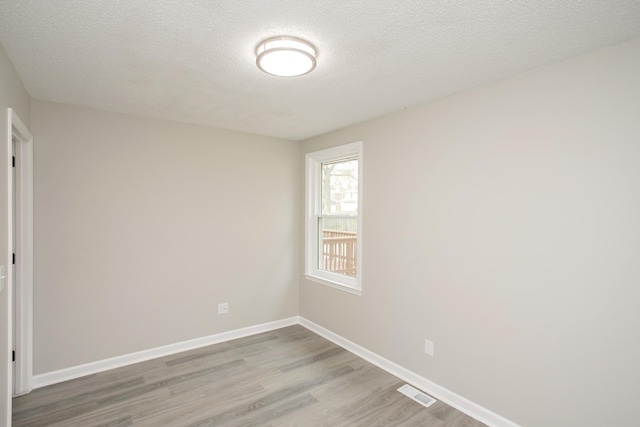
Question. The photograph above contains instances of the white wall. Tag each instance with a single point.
(503, 223)
(141, 227)
(13, 95)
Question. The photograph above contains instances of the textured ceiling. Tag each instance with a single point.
(193, 60)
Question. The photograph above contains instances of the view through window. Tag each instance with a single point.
(338, 222)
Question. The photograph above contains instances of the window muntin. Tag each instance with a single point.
(333, 216)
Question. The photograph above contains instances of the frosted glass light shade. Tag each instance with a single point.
(285, 56)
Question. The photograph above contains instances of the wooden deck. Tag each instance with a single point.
(339, 252)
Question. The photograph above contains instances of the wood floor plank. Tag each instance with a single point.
(123, 412)
(284, 378)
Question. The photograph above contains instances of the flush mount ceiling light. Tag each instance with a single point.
(286, 56)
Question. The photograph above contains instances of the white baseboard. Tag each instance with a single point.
(450, 398)
(142, 356)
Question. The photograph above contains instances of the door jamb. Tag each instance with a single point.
(23, 379)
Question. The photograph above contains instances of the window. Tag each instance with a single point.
(334, 214)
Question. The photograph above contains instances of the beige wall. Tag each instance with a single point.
(141, 227)
(13, 95)
(503, 223)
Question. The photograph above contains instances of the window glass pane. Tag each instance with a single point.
(340, 187)
(337, 245)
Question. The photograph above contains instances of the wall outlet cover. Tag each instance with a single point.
(223, 308)
(428, 347)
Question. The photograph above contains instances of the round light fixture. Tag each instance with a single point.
(286, 56)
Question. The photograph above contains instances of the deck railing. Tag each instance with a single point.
(339, 252)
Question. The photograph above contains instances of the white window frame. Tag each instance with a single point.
(313, 162)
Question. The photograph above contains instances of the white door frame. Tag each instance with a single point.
(22, 283)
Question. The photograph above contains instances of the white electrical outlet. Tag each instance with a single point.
(428, 347)
(223, 308)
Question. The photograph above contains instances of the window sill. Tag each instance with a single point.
(334, 285)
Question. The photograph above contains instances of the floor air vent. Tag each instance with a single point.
(417, 395)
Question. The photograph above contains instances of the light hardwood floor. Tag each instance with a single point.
(287, 377)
